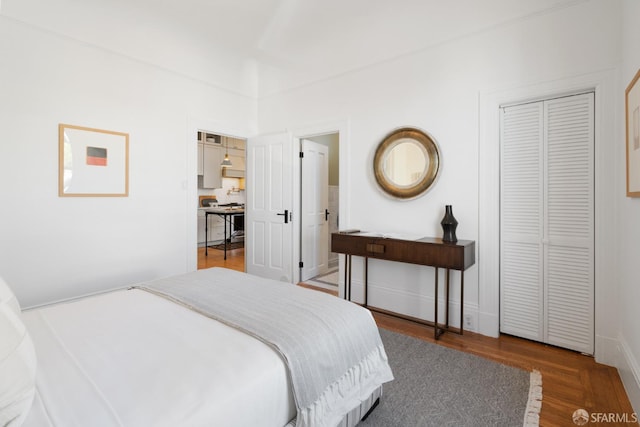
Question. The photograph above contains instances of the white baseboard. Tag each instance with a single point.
(489, 324)
(607, 351)
(629, 369)
(413, 304)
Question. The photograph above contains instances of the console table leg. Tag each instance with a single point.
(346, 276)
(435, 308)
(461, 302)
(366, 279)
(347, 283)
(446, 301)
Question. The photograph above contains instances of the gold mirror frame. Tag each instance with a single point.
(428, 177)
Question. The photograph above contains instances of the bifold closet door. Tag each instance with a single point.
(521, 221)
(547, 221)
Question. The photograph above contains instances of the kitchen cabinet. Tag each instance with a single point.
(236, 143)
(236, 149)
(210, 156)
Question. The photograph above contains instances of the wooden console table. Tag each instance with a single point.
(428, 251)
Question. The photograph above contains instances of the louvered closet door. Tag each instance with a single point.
(521, 234)
(569, 240)
(547, 228)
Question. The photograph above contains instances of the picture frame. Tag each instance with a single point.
(632, 119)
(92, 162)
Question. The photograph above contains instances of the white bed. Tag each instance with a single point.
(133, 358)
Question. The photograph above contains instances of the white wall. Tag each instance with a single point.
(169, 35)
(628, 215)
(438, 90)
(53, 248)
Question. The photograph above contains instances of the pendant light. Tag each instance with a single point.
(226, 162)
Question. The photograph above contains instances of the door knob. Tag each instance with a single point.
(286, 216)
(326, 214)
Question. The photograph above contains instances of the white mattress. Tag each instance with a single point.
(130, 358)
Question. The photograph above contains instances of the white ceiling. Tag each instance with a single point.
(311, 38)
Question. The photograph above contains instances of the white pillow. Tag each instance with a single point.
(17, 362)
(7, 296)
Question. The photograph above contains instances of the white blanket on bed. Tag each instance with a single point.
(332, 347)
(131, 358)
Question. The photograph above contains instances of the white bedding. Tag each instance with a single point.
(332, 347)
(231, 379)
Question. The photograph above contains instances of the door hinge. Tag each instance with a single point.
(301, 154)
(300, 264)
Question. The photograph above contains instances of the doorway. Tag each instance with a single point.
(319, 208)
(274, 199)
(221, 199)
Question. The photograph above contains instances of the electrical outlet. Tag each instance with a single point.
(468, 321)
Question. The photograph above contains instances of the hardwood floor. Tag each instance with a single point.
(215, 258)
(570, 380)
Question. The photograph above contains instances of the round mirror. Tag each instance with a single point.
(406, 163)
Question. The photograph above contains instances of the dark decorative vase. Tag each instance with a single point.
(449, 224)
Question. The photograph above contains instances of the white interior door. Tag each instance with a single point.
(315, 205)
(268, 228)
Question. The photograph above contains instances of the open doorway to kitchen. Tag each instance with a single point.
(319, 207)
(221, 200)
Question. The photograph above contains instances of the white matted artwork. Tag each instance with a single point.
(92, 162)
(632, 108)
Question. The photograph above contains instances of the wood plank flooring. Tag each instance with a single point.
(215, 258)
(570, 380)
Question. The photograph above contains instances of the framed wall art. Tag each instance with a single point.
(632, 112)
(92, 162)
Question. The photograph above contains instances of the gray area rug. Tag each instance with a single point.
(438, 386)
